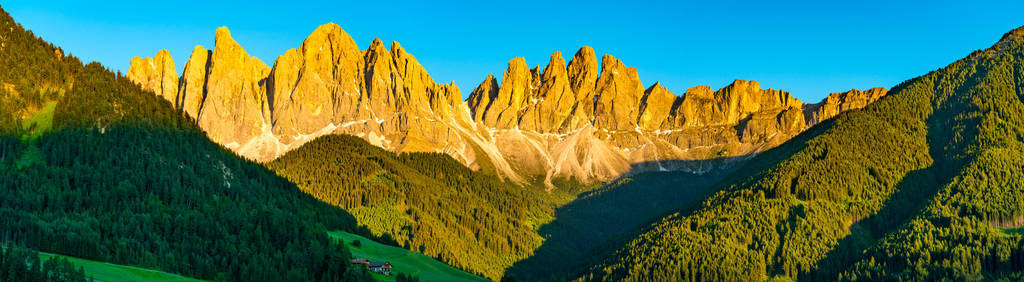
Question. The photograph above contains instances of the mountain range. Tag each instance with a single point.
(582, 121)
(238, 171)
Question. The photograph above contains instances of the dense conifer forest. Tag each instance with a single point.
(20, 264)
(923, 184)
(115, 174)
(426, 202)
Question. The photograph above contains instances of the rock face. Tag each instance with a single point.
(836, 103)
(157, 73)
(236, 107)
(192, 87)
(567, 121)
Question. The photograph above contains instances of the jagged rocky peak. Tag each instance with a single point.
(157, 73)
(327, 85)
(380, 89)
(417, 88)
(310, 84)
(482, 96)
(579, 119)
(656, 106)
(513, 93)
(731, 104)
(561, 98)
(618, 93)
(583, 71)
(192, 86)
(236, 107)
(582, 74)
(548, 112)
(839, 102)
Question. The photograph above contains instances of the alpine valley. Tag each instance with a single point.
(336, 156)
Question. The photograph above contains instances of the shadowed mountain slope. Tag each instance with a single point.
(95, 167)
(916, 186)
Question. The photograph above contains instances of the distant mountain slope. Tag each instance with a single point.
(579, 121)
(424, 201)
(607, 215)
(123, 177)
(914, 187)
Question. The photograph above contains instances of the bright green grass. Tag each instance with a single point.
(101, 271)
(403, 261)
(40, 121)
(1012, 231)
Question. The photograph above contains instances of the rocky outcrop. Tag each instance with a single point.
(618, 94)
(157, 73)
(326, 86)
(236, 107)
(658, 103)
(192, 87)
(316, 84)
(589, 125)
(836, 103)
(566, 121)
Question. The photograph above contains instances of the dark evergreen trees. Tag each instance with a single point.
(24, 265)
(425, 202)
(920, 185)
(122, 177)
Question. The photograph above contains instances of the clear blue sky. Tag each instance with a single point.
(809, 48)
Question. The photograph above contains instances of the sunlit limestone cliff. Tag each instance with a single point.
(579, 120)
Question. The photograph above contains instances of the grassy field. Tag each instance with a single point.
(403, 261)
(1012, 231)
(101, 271)
(40, 121)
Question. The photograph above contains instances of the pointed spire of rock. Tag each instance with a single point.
(555, 67)
(234, 92)
(583, 72)
(192, 88)
(555, 99)
(480, 99)
(619, 91)
(396, 49)
(156, 74)
(380, 89)
(417, 89)
(655, 106)
(516, 85)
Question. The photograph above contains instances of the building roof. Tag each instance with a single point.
(379, 264)
(362, 260)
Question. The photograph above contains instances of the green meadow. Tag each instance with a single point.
(40, 121)
(403, 261)
(101, 271)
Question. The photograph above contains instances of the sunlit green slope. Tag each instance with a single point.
(916, 186)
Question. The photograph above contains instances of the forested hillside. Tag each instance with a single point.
(605, 215)
(92, 166)
(426, 202)
(920, 185)
(19, 264)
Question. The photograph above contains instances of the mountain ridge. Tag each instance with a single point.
(922, 185)
(573, 121)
